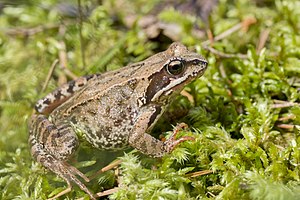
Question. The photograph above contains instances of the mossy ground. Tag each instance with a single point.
(245, 113)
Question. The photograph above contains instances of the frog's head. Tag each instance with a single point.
(177, 67)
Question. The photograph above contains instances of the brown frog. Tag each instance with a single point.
(112, 110)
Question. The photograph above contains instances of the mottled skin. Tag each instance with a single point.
(113, 110)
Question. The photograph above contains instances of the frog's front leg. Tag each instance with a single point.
(52, 145)
(148, 144)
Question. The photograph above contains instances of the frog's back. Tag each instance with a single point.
(105, 117)
(104, 109)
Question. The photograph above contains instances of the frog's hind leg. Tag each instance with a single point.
(51, 145)
(47, 104)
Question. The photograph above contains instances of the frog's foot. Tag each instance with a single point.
(79, 173)
(171, 143)
(68, 173)
(151, 146)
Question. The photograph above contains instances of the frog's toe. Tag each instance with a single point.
(68, 173)
(172, 142)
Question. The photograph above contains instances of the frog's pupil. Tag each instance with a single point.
(175, 67)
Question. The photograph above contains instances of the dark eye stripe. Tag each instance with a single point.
(157, 82)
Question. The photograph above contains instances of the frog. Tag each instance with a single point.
(112, 111)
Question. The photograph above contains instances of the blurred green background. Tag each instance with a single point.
(244, 112)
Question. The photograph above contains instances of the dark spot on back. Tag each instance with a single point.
(73, 120)
(117, 122)
(71, 86)
(80, 84)
(88, 77)
(46, 101)
(38, 107)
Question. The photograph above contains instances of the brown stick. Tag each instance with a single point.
(225, 55)
(80, 34)
(107, 192)
(284, 104)
(49, 74)
(199, 173)
(244, 24)
(291, 116)
(262, 39)
(25, 32)
(106, 168)
(286, 126)
(63, 58)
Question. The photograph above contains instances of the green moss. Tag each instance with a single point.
(251, 144)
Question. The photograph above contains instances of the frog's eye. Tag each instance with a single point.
(175, 67)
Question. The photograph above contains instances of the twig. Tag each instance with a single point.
(49, 74)
(287, 117)
(225, 55)
(284, 104)
(25, 32)
(210, 38)
(107, 192)
(224, 75)
(222, 35)
(262, 39)
(80, 33)
(63, 58)
(279, 101)
(199, 173)
(106, 168)
(244, 24)
(286, 126)
(222, 71)
(247, 23)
